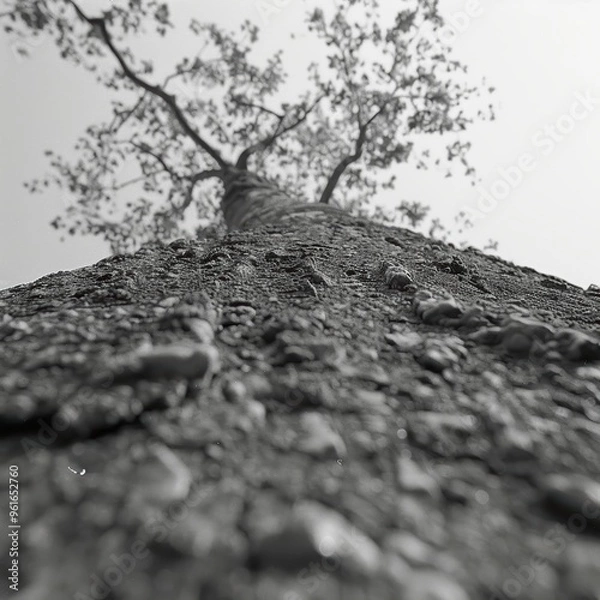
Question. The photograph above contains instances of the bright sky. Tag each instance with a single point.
(541, 184)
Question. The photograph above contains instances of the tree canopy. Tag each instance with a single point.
(152, 170)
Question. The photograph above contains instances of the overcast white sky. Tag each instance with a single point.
(541, 55)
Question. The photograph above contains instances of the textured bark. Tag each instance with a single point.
(250, 200)
(315, 408)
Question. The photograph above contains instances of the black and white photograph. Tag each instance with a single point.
(300, 299)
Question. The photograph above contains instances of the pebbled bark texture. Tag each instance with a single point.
(317, 407)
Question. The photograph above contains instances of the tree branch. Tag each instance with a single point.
(144, 148)
(100, 25)
(112, 128)
(343, 165)
(242, 161)
(348, 160)
(124, 184)
(260, 107)
(347, 70)
(201, 176)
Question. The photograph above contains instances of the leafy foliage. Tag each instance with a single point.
(383, 85)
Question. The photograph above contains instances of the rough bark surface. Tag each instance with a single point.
(316, 408)
(250, 200)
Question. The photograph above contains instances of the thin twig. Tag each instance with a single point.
(242, 161)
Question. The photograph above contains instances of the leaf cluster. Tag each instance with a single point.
(152, 170)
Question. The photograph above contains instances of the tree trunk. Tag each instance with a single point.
(316, 408)
(250, 200)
